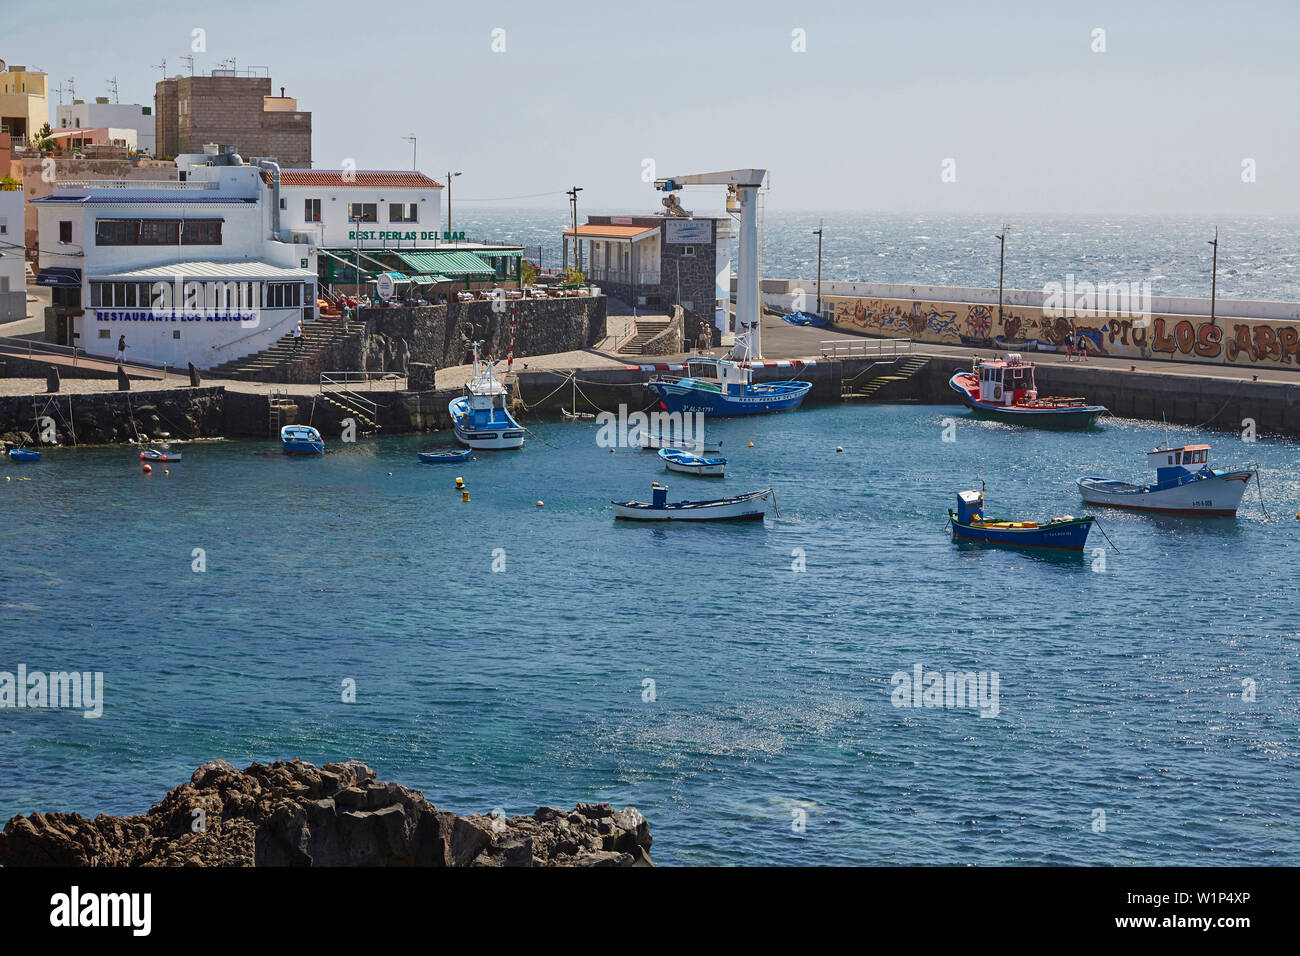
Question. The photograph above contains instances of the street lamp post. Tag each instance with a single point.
(1214, 273)
(818, 233)
(577, 245)
(1002, 259)
(450, 174)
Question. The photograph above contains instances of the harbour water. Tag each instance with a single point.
(1154, 684)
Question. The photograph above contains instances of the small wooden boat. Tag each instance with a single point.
(691, 464)
(159, 454)
(301, 440)
(752, 506)
(1185, 485)
(577, 416)
(24, 454)
(968, 522)
(440, 457)
(1004, 389)
(722, 387)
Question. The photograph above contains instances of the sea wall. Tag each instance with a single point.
(100, 418)
(1247, 342)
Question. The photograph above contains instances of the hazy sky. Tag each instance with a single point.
(584, 92)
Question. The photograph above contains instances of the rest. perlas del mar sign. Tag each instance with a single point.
(385, 236)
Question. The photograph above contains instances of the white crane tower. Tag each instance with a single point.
(742, 197)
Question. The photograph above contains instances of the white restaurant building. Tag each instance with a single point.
(201, 271)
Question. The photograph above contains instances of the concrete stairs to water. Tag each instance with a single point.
(882, 385)
(270, 364)
(646, 329)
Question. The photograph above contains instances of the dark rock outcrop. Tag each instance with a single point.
(296, 814)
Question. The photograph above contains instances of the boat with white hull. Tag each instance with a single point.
(1185, 485)
(479, 417)
(709, 466)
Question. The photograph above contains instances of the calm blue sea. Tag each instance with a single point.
(1259, 257)
(1121, 683)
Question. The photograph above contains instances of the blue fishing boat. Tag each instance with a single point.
(24, 454)
(723, 387)
(1185, 485)
(968, 522)
(752, 506)
(479, 417)
(301, 440)
(709, 466)
(440, 457)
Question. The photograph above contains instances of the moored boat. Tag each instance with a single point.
(301, 440)
(691, 464)
(651, 442)
(968, 522)
(160, 454)
(723, 387)
(24, 454)
(479, 417)
(1004, 389)
(752, 506)
(1185, 485)
(440, 457)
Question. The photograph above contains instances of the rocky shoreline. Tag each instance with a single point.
(293, 813)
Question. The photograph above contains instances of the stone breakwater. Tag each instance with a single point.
(296, 814)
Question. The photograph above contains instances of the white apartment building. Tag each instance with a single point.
(102, 113)
(369, 209)
(13, 274)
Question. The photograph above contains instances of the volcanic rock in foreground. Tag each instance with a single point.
(295, 814)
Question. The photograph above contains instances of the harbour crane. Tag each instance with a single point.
(742, 197)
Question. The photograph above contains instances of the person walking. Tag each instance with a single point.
(121, 350)
(1069, 346)
(297, 335)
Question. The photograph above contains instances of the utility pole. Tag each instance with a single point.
(1214, 273)
(450, 174)
(821, 225)
(577, 246)
(411, 139)
(1002, 261)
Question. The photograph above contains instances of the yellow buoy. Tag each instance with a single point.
(464, 496)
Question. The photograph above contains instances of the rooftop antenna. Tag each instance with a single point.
(190, 61)
(112, 88)
(72, 88)
(411, 139)
(60, 90)
(162, 66)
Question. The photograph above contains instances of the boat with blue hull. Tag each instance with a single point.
(1004, 390)
(24, 454)
(969, 523)
(1185, 485)
(723, 387)
(709, 466)
(479, 417)
(301, 440)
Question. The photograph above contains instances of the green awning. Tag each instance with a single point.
(450, 263)
(429, 280)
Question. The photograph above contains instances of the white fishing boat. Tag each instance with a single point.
(1185, 484)
(688, 463)
(479, 417)
(577, 416)
(752, 506)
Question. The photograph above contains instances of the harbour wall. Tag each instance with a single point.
(101, 418)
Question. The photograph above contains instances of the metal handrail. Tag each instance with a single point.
(75, 352)
(834, 348)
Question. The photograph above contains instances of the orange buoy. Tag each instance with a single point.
(148, 469)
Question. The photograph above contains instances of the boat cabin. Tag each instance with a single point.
(729, 377)
(1006, 381)
(970, 506)
(1174, 463)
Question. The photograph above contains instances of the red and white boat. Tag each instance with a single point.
(1004, 389)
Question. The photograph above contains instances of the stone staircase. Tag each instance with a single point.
(646, 330)
(856, 390)
(271, 364)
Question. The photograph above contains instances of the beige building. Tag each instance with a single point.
(238, 111)
(24, 102)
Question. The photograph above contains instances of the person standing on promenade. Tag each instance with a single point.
(1069, 346)
(121, 349)
(297, 335)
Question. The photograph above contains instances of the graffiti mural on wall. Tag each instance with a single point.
(1239, 341)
